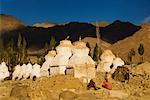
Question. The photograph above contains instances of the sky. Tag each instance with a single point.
(61, 11)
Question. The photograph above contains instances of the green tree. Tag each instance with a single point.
(1, 50)
(19, 42)
(10, 55)
(24, 51)
(24, 43)
(52, 43)
(88, 45)
(131, 53)
(97, 53)
(21, 53)
(46, 48)
(141, 51)
(19, 49)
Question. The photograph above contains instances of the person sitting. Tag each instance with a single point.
(91, 84)
(107, 85)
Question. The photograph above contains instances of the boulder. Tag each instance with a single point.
(118, 94)
(121, 74)
(142, 69)
(87, 96)
(20, 92)
(67, 95)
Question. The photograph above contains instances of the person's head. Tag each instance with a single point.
(106, 80)
(91, 80)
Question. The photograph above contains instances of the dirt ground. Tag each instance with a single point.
(66, 87)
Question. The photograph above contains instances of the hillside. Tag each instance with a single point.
(45, 25)
(142, 36)
(118, 30)
(9, 23)
(102, 24)
(38, 36)
(92, 42)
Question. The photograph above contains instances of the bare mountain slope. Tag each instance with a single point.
(101, 24)
(92, 42)
(9, 23)
(45, 25)
(121, 48)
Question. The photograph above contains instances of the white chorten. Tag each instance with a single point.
(16, 72)
(83, 64)
(22, 71)
(63, 54)
(107, 58)
(3, 71)
(35, 71)
(117, 62)
(48, 62)
(28, 71)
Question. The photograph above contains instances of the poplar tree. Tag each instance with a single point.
(19, 49)
(97, 53)
(141, 52)
(24, 51)
(88, 45)
(130, 55)
(10, 55)
(52, 43)
(1, 50)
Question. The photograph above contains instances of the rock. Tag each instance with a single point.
(68, 95)
(121, 74)
(20, 92)
(4, 91)
(142, 69)
(118, 94)
(87, 96)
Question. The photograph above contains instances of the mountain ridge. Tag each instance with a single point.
(38, 36)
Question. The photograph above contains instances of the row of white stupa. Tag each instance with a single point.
(66, 56)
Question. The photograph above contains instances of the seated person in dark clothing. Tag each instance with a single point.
(91, 84)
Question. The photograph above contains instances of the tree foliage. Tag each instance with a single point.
(97, 53)
(131, 54)
(52, 42)
(24, 51)
(19, 44)
(46, 48)
(141, 49)
(13, 55)
(1, 50)
(10, 55)
(88, 45)
(51, 45)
